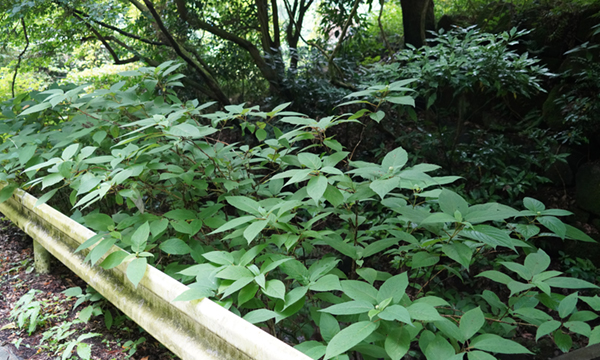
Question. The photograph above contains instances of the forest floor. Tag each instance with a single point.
(58, 317)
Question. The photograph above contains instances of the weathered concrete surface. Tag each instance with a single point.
(192, 330)
(6, 354)
(41, 258)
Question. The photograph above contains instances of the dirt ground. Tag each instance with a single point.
(57, 317)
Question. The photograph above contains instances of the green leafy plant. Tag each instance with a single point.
(290, 230)
(28, 312)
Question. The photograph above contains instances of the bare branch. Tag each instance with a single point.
(217, 92)
(12, 87)
(120, 31)
(104, 41)
(387, 45)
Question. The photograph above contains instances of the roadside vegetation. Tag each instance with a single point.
(364, 198)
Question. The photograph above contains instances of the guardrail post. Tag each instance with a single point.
(42, 258)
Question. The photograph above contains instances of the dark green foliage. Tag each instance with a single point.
(293, 233)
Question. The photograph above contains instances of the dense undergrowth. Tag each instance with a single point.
(334, 254)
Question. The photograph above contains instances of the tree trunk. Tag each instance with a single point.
(418, 17)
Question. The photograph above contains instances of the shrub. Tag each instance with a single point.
(293, 234)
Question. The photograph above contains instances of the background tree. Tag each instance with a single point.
(156, 31)
(418, 17)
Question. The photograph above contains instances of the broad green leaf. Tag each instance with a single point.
(86, 313)
(397, 343)
(554, 224)
(234, 272)
(579, 327)
(99, 250)
(359, 290)
(180, 214)
(450, 329)
(576, 234)
(333, 195)
(595, 336)
(245, 204)
(7, 192)
(84, 350)
(98, 221)
(349, 337)
(383, 187)
(497, 344)
(569, 283)
(496, 276)
(521, 270)
(437, 218)
(329, 282)
(237, 285)
(310, 160)
(136, 270)
(219, 257)
(489, 235)
(593, 302)
(26, 153)
(458, 252)
(294, 295)
(114, 259)
(139, 237)
(516, 287)
(328, 326)
(533, 204)
(537, 262)
(396, 313)
(51, 179)
(567, 305)
(480, 355)
(316, 187)
(233, 223)
(275, 289)
(349, 308)
(69, 152)
(471, 322)
(254, 229)
(394, 288)
(247, 293)
(260, 315)
(439, 349)
(175, 247)
(423, 312)
(395, 159)
(195, 293)
(424, 259)
(44, 198)
(563, 341)
(546, 328)
(36, 108)
(377, 116)
(450, 202)
(313, 349)
(370, 275)
(532, 313)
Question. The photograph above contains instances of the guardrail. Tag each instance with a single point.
(198, 329)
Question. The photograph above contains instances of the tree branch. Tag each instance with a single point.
(338, 46)
(12, 87)
(120, 31)
(102, 39)
(387, 45)
(217, 92)
(192, 19)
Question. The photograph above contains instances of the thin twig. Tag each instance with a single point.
(20, 56)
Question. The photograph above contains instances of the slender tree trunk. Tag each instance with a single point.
(418, 16)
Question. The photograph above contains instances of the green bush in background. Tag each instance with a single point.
(328, 252)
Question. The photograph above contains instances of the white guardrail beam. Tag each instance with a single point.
(198, 329)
